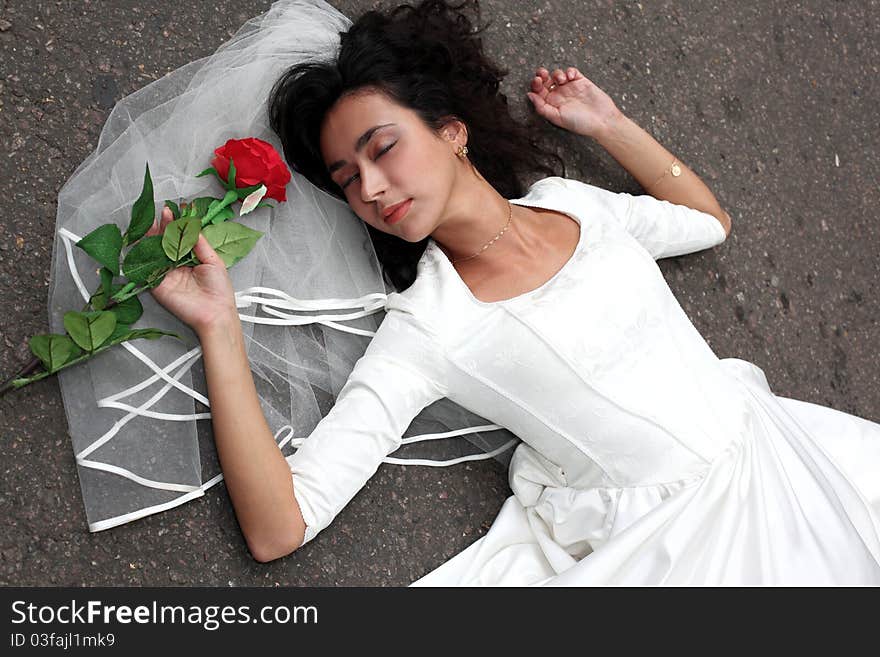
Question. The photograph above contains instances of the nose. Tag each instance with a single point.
(372, 182)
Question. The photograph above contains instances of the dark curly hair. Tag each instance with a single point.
(427, 58)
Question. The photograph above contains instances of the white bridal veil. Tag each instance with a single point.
(310, 294)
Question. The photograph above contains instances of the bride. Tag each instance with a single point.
(645, 458)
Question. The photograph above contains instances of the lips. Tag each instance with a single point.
(396, 212)
(391, 208)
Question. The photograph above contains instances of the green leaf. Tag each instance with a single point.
(230, 179)
(244, 192)
(145, 258)
(90, 329)
(143, 212)
(210, 171)
(218, 207)
(175, 210)
(148, 333)
(119, 330)
(231, 241)
(106, 282)
(180, 237)
(54, 350)
(157, 275)
(98, 301)
(223, 215)
(57, 351)
(203, 204)
(129, 311)
(104, 244)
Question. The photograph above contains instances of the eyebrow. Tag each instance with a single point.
(361, 142)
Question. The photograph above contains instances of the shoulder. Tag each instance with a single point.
(410, 316)
(434, 302)
(582, 197)
(599, 198)
(415, 302)
(572, 185)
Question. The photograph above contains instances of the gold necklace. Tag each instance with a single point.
(493, 240)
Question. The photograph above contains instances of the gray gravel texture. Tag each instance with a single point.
(771, 102)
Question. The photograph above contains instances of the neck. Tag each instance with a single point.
(473, 218)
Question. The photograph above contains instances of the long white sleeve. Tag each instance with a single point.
(664, 229)
(401, 372)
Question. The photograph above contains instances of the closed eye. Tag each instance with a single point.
(378, 155)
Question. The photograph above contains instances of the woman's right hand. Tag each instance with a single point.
(571, 101)
(199, 296)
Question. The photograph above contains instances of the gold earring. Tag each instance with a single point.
(462, 151)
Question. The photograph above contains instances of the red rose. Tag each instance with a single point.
(256, 163)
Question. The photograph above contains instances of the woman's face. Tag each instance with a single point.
(381, 154)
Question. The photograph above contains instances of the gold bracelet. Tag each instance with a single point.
(673, 169)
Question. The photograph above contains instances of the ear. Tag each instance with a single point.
(455, 131)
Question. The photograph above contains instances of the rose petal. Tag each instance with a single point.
(252, 200)
(277, 193)
(261, 145)
(221, 164)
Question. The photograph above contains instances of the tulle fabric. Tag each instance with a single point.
(310, 294)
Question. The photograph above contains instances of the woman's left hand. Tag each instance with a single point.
(569, 100)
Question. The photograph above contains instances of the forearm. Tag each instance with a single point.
(257, 476)
(647, 160)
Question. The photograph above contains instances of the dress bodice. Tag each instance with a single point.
(578, 368)
(598, 369)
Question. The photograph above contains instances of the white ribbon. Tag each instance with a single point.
(269, 300)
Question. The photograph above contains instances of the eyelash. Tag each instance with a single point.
(378, 155)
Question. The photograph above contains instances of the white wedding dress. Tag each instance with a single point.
(645, 459)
